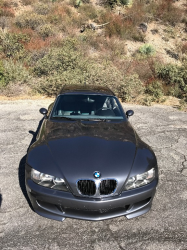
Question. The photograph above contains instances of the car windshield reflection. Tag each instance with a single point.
(85, 106)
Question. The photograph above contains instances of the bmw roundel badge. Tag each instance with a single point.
(97, 174)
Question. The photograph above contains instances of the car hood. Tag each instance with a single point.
(74, 150)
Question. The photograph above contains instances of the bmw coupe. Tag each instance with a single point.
(88, 161)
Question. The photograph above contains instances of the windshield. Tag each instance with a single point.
(85, 106)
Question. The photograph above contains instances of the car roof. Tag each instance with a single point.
(85, 89)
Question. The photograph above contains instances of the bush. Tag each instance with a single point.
(123, 28)
(169, 13)
(115, 48)
(127, 88)
(88, 10)
(174, 76)
(42, 9)
(46, 30)
(144, 67)
(112, 3)
(146, 50)
(2, 75)
(183, 104)
(28, 2)
(175, 91)
(12, 44)
(58, 60)
(5, 3)
(126, 2)
(29, 20)
(130, 89)
(155, 89)
(14, 72)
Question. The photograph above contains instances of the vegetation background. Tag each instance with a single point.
(137, 48)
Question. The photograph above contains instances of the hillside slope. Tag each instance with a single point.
(137, 49)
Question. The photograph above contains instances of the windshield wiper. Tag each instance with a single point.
(95, 119)
(63, 117)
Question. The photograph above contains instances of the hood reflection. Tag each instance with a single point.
(120, 131)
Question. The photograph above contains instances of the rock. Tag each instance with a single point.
(92, 26)
(82, 28)
(154, 31)
(172, 54)
(143, 27)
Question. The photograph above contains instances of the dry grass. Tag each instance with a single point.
(27, 31)
(184, 48)
(166, 11)
(121, 27)
(28, 2)
(7, 12)
(37, 44)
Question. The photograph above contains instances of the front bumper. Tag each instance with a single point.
(58, 205)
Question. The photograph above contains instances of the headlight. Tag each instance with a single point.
(48, 180)
(140, 179)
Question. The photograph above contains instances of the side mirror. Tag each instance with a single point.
(129, 113)
(43, 111)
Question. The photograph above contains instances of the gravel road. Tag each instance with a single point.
(164, 227)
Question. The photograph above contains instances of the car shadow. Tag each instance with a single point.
(21, 170)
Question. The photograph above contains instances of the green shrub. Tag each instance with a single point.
(58, 60)
(112, 3)
(14, 72)
(173, 74)
(176, 77)
(12, 44)
(2, 75)
(29, 20)
(125, 2)
(46, 30)
(130, 89)
(155, 89)
(127, 88)
(146, 50)
(36, 55)
(175, 91)
(147, 100)
(183, 104)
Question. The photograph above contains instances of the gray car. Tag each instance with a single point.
(88, 162)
